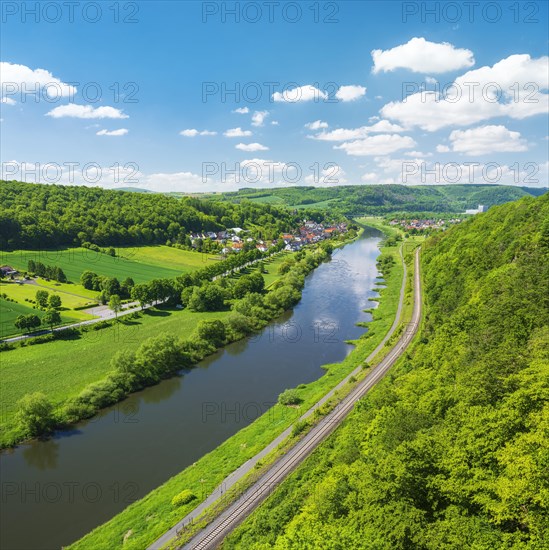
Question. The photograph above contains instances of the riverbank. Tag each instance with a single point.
(44, 366)
(142, 522)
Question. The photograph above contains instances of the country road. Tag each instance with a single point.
(214, 533)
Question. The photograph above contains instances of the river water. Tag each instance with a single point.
(55, 491)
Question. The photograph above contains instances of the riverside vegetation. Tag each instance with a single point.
(141, 523)
(451, 450)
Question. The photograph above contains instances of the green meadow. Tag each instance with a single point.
(141, 263)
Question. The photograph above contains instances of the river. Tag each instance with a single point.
(55, 491)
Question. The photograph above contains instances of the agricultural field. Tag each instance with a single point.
(141, 263)
(9, 311)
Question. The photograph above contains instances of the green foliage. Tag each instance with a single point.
(452, 449)
(184, 497)
(289, 397)
(115, 304)
(212, 331)
(27, 322)
(35, 414)
(36, 216)
(54, 301)
(52, 318)
(209, 297)
(42, 298)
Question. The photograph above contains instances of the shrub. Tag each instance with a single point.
(298, 427)
(184, 497)
(289, 397)
(35, 414)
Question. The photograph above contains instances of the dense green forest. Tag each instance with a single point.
(383, 199)
(45, 216)
(451, 450)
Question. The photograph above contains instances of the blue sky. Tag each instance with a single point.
(161, 68)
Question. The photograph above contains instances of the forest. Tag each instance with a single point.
(356, 200)
(451, 450)
(46, 216)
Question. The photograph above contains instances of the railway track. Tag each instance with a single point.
(213, 534)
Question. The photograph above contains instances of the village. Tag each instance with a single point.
(235, 240)
(419, 225)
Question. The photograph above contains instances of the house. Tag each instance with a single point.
(237, 230)
(261, 248)
(8, 271)
(237, 247)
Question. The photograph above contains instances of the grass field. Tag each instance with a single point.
(151, 516)
(10, 310)
(141, 263)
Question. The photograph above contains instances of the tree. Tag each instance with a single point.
(89, 280)
(212, 331)
(42, 298)
(141, 293)
(35, 414)
(52, 318)
(289, 397)
(31, 267)
(27, 322)
(115, 304)
(54, 301)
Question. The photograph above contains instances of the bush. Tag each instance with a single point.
(289, 397)
(298, 427)
(184, 497)
(35, 414)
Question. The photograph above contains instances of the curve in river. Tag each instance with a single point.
(55, 491)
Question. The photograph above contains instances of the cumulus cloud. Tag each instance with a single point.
(350, 93)
(382, 144)
(237, 132)
(251, 147)
(72, 110)
(17, 79)
(443, 149)
(421, 56)
(513, 87)
(331, 174)
(7, 100)
(119, 132)
(241, 110)
(259, 117)
(316, 125)
(487, 139)
(417, 154)
(301, 93)
(345, 134)
(193, 132)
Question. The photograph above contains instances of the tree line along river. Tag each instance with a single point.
(55, 491)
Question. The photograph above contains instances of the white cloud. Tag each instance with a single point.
(382, 144)
(331, 174)
(513, 87)
(259, 117)
(421, 56)
(19, 79)
(7, 101)
(193, 132)
(417, 154)
(443, 149)
(251, 147)
(487, 139)
(237, 132)
(119, 132)
(316, 125)
(274, 122)
(430, 80)
(73, 110)
(241, 111)
(345, 134)
(350, 93)
(301, 93)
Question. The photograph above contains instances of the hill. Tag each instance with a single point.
(383, 199)
(47, 216)
(452, 449)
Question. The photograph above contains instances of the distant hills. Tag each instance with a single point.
(383, 199)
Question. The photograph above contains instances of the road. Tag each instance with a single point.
(103, 313)
(214, 533)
